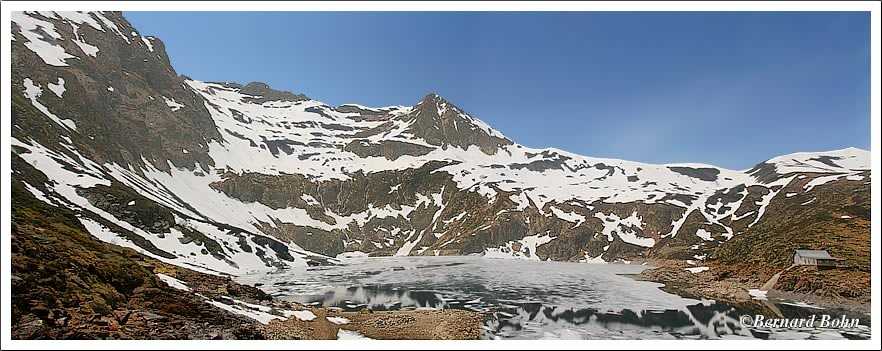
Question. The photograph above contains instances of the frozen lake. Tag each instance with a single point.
(527, 299)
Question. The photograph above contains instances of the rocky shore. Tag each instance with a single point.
(68, 285)
(388, 325)
(833, 289)
(206, 308)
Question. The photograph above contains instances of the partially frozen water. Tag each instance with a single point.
(528, 299)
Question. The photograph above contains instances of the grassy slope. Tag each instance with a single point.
(768, 246)
(67, 284)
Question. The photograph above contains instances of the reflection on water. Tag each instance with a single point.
(535, 300)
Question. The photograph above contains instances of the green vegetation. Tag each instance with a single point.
(58, 265)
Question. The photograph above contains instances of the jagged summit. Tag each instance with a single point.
(432, 98)
(436, 102)
(441, 123)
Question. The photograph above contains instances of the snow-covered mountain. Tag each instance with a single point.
(224, 177)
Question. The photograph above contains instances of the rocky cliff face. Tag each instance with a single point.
(95, 83)
(224, 177)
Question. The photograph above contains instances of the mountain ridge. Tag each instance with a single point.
(248, 182)
(851, 150)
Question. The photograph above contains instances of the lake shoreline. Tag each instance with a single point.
(304, 322)
(190, 305)
(736, 289)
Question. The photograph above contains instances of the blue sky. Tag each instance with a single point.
(724, 88)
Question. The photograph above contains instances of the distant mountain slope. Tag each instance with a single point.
(834, 217)
(225, 177)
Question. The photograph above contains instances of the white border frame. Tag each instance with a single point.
(5, 166)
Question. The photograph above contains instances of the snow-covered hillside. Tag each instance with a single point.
(254, 178)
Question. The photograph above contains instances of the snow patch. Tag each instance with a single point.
(343, 334)
(172, 104)
(147, 42)
(57, 88)
(43, 46)
(758, 294)
(32, 92)
(821, 181)
(742, 216)
(850, 159)
(309, 199)
(613, 224)
(260, 316)
(338, 320)
(173, 282)
(301, 315)
(764, 203)
(568, 216)
(704, 234)
(37, 193)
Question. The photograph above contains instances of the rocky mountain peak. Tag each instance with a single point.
(435, 105)
(442, 123)
(432, 99)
